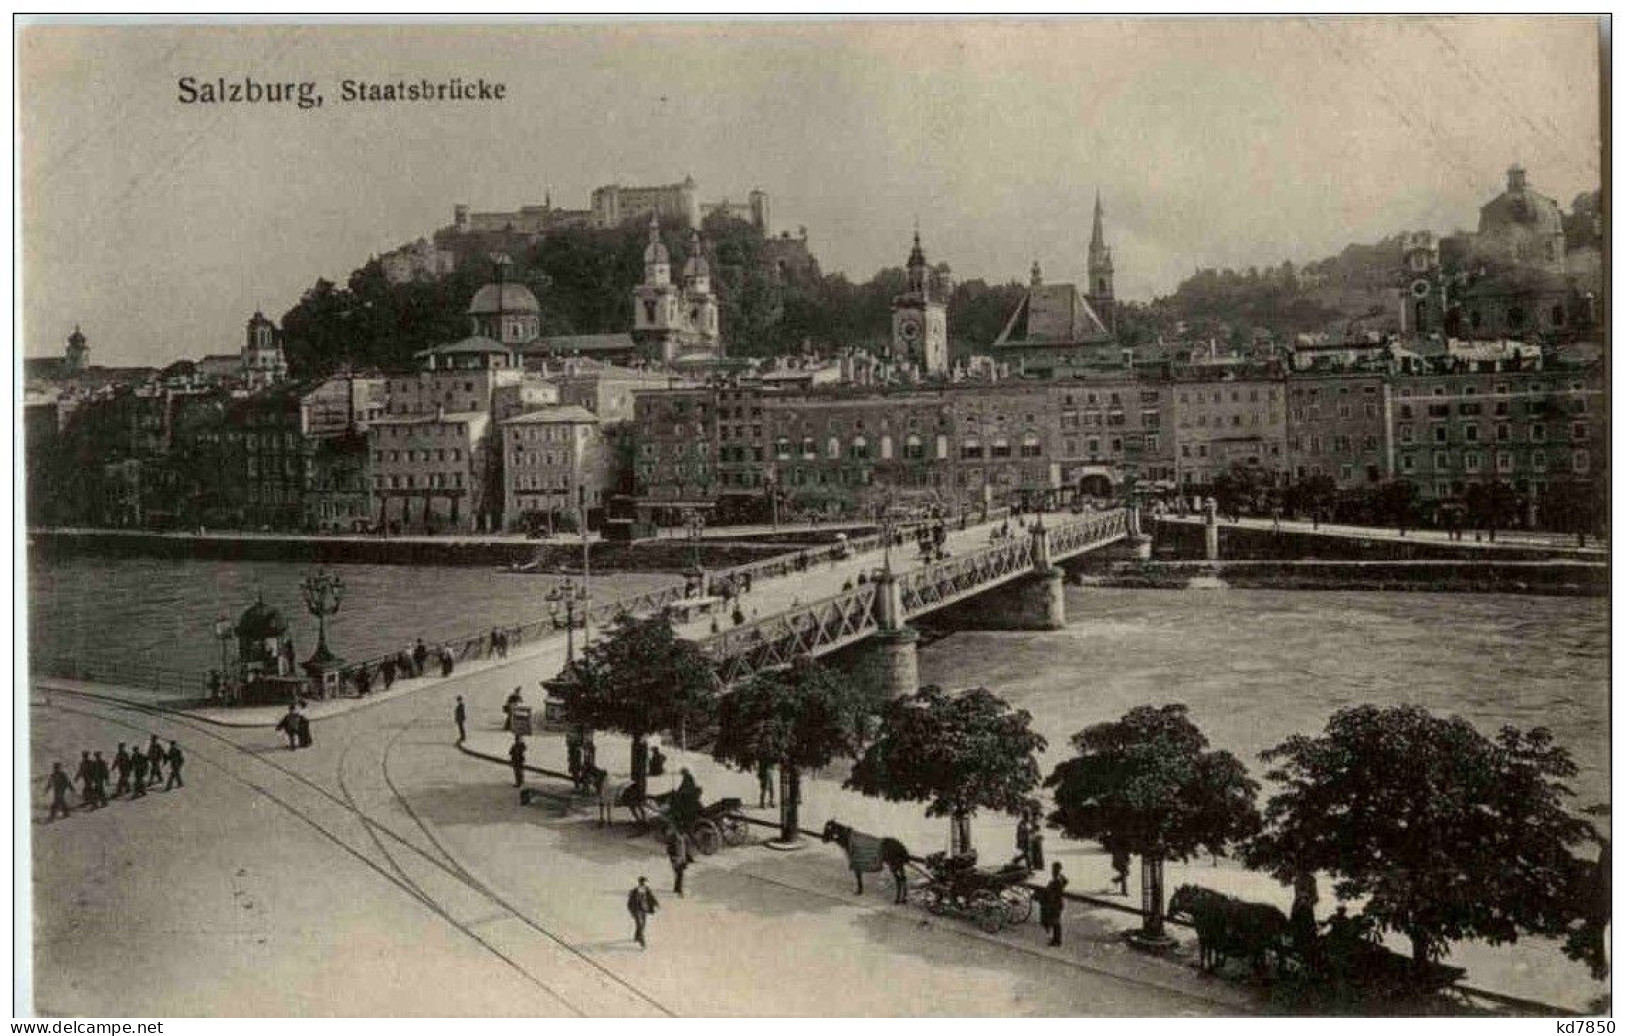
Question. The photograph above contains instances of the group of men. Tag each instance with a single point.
(136, 770)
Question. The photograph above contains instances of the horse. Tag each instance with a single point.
(868, 853)
(1226, 927)
(629, 795)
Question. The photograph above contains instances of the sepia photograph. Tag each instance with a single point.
(882, 518)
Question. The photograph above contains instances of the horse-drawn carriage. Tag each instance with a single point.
(709, 828)
(992, 898)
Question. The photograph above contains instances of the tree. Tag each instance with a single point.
(1148, 785)
(1491, 505)
(1447, 834)
(959, 752)
(640, 679)
(803, 717)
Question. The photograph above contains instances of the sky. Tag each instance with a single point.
(159, 227)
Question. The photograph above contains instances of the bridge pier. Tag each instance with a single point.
(1210, 529)
(896, 658)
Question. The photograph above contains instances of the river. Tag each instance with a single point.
(1258, 666)
(1255, 666)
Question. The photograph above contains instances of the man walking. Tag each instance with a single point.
(1051, 901)
(1024, 832)
(680, 855)
(289, 725)
(514, 699)
(176, 761)
(641, 904)
(86, 776)
(138, 767)
(155, 759)
(460, 715)
(1035, 845)
(101, 774)
(301, 726)
(121, 765)
(516, 756)
(58, 784)
(420, 655)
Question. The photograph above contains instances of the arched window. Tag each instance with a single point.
(834, 448)
(782, 448)
(1001, 447)
(885, 447)
(1030, 446)
(860, 448)
(913, 449)
(971, 449)
(809, 448)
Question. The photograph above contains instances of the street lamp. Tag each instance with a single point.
(563, 598)
(695, 522)
(324, 593)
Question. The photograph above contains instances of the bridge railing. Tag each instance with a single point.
(780, 639)
(932, 586)
(1074, 536)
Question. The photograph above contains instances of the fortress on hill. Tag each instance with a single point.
(476, 235)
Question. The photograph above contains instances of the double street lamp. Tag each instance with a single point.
(695, 523)
(562, 601)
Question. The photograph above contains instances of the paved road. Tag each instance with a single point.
(383, 872)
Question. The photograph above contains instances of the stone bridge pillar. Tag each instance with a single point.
(895, 646)
(1138, 541)
(1210, 529)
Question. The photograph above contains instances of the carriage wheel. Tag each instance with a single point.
(735, 831)
(1020, 903)
(707, 839)
(934, 899)
(990, 911)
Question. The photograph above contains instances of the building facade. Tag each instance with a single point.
(555, 462)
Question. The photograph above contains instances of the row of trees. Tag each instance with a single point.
(1565, 505)
(1446, 834)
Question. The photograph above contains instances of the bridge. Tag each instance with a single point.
(1021, 569)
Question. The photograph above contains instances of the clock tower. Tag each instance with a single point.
(919, 318)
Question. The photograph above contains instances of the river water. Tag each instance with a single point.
(1255, 666)
(151, 612)
(1258, 666)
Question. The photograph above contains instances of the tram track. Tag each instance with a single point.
(378, 833)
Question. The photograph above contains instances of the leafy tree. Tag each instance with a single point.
(640, 679)
(1447, 834)
(1492, 505)
(959, 752)
(1147, 784)
(803, 717)
(1243, 489)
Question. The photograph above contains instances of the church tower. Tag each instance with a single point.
(919, 318)
(656, 318)
(1100, 272)
(699, 302)
(78, 351)
(263, 362)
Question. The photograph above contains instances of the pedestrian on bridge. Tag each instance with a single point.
(121, 765)
(176, 761)
(460, 716)
(516, 757)
(420, 655)
(680, 853)
(641, 904)
(445, 662)
(58, 785)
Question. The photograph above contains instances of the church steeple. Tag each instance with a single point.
(1100, 294)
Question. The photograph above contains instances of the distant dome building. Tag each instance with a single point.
(1521, 227)
(506, 312)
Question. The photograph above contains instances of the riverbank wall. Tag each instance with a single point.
(1541, 578)
(641, 556)
(1184, 541)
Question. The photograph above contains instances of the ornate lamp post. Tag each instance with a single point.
(223, 630)
(694, 521)
(562, 600)
(324, 593)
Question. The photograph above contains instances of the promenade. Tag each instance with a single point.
(1562, 544)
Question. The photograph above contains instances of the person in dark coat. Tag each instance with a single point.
(764, 785)
(445, 663)
(1120, 862)
(155, 759)
(176, 761)
(1050, 904)
(460, 716)
(641, 904)
(121, 766)
(363, 682)
(420, 655)
(657, 762)
(572, 754)
(1024, 832)
(516, 757)
(86, 777)
(516, 698)
(289, 726)
(1035, 847)
(302, 726)
(138, 773)
(386, 669)
(58, 784)
(99, 765)
(680, 855)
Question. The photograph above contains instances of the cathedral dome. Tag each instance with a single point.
(1518, 205)
(503, 298)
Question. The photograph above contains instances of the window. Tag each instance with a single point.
(1030, 446)
(1503, 433)
(1094, 447)
(913, 448)
(970, 449)
(834, 448)
(1441, 461)
(1407, 463)
(1340, 444)
(1503, 461)
(1537, 433)
(1405, 412)
(1345, 472)
(859, 449)
(1470, 461)
(1537, 460)
(1579, 432)
(1471, 432)
(1439, 433)
(1582, 461)
(1406, 434)
(1001, 447)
